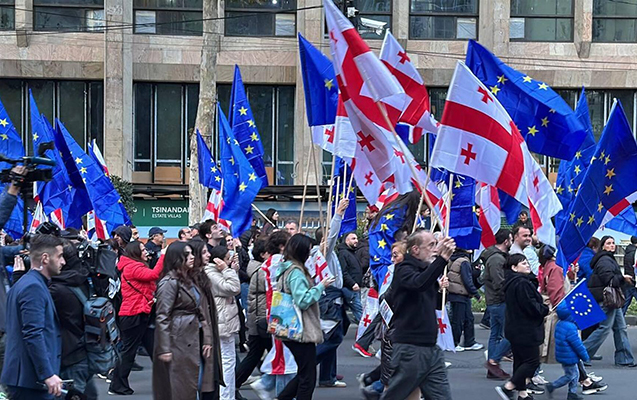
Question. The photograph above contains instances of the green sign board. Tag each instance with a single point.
(161, 213)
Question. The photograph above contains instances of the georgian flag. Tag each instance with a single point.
(490, 215)
(477, 138)
(317, 266)
(417, 114)
(38, 218)
(57, 217)
(279, 360)
(445, 335)
(338, 138)
(96, 228)
(369, 312)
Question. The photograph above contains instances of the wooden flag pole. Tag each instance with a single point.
(263, 215)
(446, 231)
(349, 186)
(307, 176)
(423, 197)
(318, 188)
(329, 194)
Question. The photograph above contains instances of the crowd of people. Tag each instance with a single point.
(191, 305)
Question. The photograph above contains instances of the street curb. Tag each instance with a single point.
(630, 319)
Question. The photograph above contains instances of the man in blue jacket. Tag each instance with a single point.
(32, 365)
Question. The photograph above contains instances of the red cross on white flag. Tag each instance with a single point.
(369, 312)
(489, 201)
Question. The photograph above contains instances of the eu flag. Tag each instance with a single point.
(547, 123)
(583, 307)
(382, 234)
(240, 181)
(88, 177)
(319, 83)
(463, 220)
(209, 174)
(12, 147)
(608, 187)
(571, 173)
(244, 129)
(342, 170)
(625, 222)
(59, 193)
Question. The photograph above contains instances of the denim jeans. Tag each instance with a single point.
(498, 344)
(278, 382)
(630, 294)
(244, 297)
(570, 378)
(353, 301)
(326, 356)
(615, 321)
(82, 381)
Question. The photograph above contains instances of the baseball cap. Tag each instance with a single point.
(155, 230)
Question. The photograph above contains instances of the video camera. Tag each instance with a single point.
(34, 174)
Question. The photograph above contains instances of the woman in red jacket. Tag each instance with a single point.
(138, 298)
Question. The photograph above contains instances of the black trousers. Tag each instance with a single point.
(526, 359)
(257, 345)
(135, 331)
(462, 321)
(302, 386)
(369, 335)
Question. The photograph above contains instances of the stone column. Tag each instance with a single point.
(493, 30)
(23, 21)
(118, 88)
(400, 21)
(310, 24)
(583, 27)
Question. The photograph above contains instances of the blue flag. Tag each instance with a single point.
(583, 307)
(510, 207)
(348, 223)
(571, 173)
(244, 128)
(319, 83)
(608, 183)
(88, 176)
(381, 237)
(240, 182)
(58, 194)
(547, 123)
(209, 173)
(11, 146)
(625, 222)
(463, 220)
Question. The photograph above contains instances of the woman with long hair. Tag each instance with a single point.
(294, 279)
(225, 286)
(525, 312)
(270, 224)
(213, 369)
(138, 300)
(183, 337)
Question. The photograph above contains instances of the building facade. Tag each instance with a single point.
(125, 72)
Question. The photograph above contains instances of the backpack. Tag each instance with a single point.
(100, 330)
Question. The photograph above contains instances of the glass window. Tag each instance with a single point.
(143, 126)
(7, 14)
(68, 15)
(256, 18)
(627, 98)
(169, 17)
(168, 113)
(96, 113)
(541, 21)
(261, 100)
(72, 110)
(615, 21)
(11, 97)
(192, 102)
(285, 146)
(443, 19)
(595, 99)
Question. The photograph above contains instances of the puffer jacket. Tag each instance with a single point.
(225, 286)
(138, 286)
(606, 272)
(256, 296)
(569, 348)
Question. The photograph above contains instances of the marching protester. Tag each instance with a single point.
(225, 287)
(211, 233)
(418, 361)
(352, 274)
(184, 234)
(294, 279)
(154, 245)
(629, 286)
(584, 261)
(607, 277)
(272, 217)
(32, 365)
(183, 338)
(138, 301)
(292, 226)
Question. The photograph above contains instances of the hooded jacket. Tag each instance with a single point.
(225, 286)
(494, 262)
(552, 283)
(606, 272)
(352, 271)
(569, 348)
(525, 310)
(138, 286)
(256, 297)
(584, 262)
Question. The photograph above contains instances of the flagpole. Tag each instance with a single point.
(349, 186)
(423, 195)
(307, 177)
(318, 189)
(263, 215)
(344, 177)
(329, 196)
(566, 295)
(446, 231)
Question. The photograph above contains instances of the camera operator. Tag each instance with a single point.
(154, 245)
(32, 366)
(70, 311)
(9, 197)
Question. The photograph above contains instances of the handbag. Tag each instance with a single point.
(613, 298)
(286, 320)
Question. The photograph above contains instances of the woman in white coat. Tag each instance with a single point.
(225, 287)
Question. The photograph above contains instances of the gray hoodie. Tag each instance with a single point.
(332, 259)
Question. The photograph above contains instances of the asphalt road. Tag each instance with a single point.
(466, 374)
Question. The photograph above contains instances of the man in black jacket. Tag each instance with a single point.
(630, 291)
(352, 274)
(419, 361)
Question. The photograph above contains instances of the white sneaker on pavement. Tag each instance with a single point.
(476, 346)
(261, 391)
(459, 349)
(539, 380)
